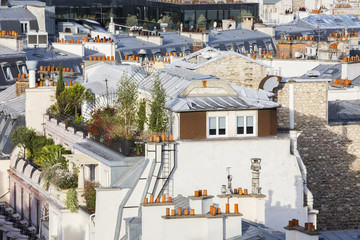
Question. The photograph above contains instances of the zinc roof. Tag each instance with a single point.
(95, 82)
(16, 13)
(344, 111)
(14, 107)
(333, 21)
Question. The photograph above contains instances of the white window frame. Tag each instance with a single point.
(217, 126)
(245, 122)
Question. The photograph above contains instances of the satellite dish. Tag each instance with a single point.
(269, 83)
(215, 24)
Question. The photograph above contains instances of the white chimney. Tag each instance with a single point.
(112, 26)
(31, 66)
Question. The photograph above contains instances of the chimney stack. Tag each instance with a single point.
(255, 167)
(31, 66)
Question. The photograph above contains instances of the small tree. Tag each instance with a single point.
(52, 154)
(131, 20)
(201, 22)
(23, 137)
(158, 119)
(90, 195)
(71, 200)
(141, 115)
(145, 25)
(167, 19)
(243, 13)
(127, 101)
(60, 86)
(72, 98)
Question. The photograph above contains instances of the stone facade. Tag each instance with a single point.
(296, 4)
(330, 153)
(236, 70)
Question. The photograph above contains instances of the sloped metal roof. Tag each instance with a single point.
(8, 93)
(251, 230)
(327, 71)
(6, 52)
(344, 111)
(340, 235)
(211, 54)
(95, 82)
(198, 104)
(24, 3)
(16, 13)
(333, 21)
(174, 80)
(14, 107)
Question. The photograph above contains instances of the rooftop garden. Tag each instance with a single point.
(122, 126)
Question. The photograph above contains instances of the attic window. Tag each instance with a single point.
(21, 67)
(6, 71)
(241, 48)
(331, 71)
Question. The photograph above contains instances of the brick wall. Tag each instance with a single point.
(289, 49)
(237, 70)
(330, 153)
(21, 86)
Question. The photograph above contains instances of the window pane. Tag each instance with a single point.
(222, 130)
(212, 126)
(221, 122)
(240, 125)
(249, 121)
(249, 125)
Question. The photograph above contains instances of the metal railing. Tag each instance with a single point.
(120, 145)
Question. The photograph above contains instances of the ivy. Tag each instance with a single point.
(71, 200)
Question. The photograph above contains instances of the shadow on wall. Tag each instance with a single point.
(73, 232)
(271, 208)
(332, 159)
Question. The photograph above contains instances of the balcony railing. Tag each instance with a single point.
(120, 145)
(18, 221)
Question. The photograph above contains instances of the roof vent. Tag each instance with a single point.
(313, 73)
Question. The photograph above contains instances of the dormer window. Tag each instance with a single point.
(21, 67)
(7, 71)
(217, 126)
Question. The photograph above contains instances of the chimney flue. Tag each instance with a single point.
(255, 167)
(31, 66)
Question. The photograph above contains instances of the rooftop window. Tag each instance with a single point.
(320, 21)
(331, 71)
(337, 20)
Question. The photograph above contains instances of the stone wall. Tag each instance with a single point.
(330, 153)
(296, 4)
(237, 70)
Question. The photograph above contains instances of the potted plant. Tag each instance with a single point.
(138, 149)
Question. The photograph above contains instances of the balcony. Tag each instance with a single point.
(126, 147)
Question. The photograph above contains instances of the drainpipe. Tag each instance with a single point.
(291, 107)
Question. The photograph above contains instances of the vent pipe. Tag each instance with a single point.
(31, 66)
(291, 107)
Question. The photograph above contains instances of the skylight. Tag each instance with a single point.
(320, 21)
(337, 20)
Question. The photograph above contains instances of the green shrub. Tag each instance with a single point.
(71, 200)
(90, 195)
